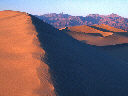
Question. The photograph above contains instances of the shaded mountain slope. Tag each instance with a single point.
(65, 20)
(78, 69)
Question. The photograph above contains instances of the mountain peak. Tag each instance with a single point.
(93, 15)
(114, 15)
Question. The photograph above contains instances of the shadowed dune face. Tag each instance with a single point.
(78, 69)
(119, 51)
(22, 72)
(99, 35)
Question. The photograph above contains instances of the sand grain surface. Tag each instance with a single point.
(22, 73)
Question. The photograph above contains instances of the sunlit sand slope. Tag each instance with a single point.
(22, 73)
(99, 35)
(87, 29)
(107, 28)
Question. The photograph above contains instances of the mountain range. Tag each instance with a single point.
(64, 20)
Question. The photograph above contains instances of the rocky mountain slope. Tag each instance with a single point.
(65, 20)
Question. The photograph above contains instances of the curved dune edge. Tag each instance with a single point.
(109, 28)
(114, 39)
(22, 72)
(87, 29)
(98, 37)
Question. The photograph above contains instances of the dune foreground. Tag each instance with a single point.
(22, 72)
(37, 59)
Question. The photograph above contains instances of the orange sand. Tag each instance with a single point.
(103, 26)
(87, 29)
(22, 73)
(93, 36)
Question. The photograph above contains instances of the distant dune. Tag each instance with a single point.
(22, 73)
(37, 59)
(107, 28)
(87, 29)
(99, 35)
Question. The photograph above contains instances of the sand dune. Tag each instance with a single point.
(107, 28)
(22, 73)
(99, 35)
(87, 29)
(36, 59)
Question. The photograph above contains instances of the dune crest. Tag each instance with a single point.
(87, 29)
(99, 35)
(107, 28)
(22, 72)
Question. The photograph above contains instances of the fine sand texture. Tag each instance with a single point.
(22, 72)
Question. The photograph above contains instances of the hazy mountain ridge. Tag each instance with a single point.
(63, 20)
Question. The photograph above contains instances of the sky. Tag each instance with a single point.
(72, 7)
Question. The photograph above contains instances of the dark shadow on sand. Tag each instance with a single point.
(78, 69)
(101, 29)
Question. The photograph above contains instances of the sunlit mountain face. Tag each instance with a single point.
(64, 20)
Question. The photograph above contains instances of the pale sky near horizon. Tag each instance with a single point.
(72, 7)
